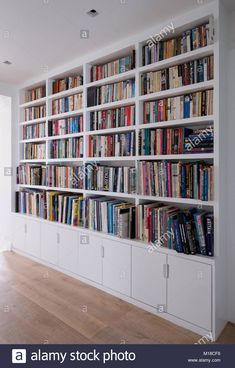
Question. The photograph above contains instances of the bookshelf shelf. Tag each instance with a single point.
(55, 160)
(64, 136)
(110, 105)
(201, 120)
(67, 92)
(44, 139)
(112, 130)
(202, 86)
(115, 78)
(186, 57)
(111, 158)
(33, 161)
(65, 115)
(110, 194)
(39, 101)
(188, 201)
(34, 121)
(193, 156)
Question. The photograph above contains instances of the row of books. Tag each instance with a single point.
(187, 231)
(111, 179)
(156, 50)
(31, 175)
(111, 145)
(110, 92)
(34, 151)
(69, 125)
(66, 104)
(195, 71)
(34, 112)
(66, 148)
(35, 93)
(65, 176)
(180, 107)
(34, 131)
(176, 141)
(112, 118)
(121, 65)
(63, 84)
(51, 175)
(176, 179)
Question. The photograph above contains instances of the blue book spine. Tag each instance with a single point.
(186, 107)
(178, 242)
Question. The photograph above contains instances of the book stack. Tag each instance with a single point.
(66, 104)
(34, 151)
(31, 174)
(65, 176)
(176, 141)
(34, 112)
(70, 125)
(121, 65)
(186, 231)
(189, 40)
(112, 216)
(112, 118)
(60, 85)
(66, 148)
(111, 145)
(195, 71)
(34, 131)
(111, 179)
(31, 202)
(110, 92)
(180, 107)
(35, 93)
(176, 179)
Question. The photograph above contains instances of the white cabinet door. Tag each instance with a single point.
(19, 227)
(189, 291)
(148, 281)
(117, 266)
(33, 235)
(90, 257)
(49, 243)
(68, 250)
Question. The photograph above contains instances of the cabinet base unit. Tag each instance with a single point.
(172, 287)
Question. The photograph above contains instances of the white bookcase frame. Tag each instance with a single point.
(186, 21)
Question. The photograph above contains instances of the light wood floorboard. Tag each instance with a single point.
(41, 305)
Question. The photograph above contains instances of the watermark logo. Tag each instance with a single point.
(153, 40)
(160, 242)
(19, 356)
(192, 143)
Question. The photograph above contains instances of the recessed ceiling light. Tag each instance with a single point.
(7, 62)
(92, 13)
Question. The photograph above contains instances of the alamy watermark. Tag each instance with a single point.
(165, 31)
(160, 241)
(192, 143)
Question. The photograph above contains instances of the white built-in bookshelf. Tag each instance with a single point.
(141, 269)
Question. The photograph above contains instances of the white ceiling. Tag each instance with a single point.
(35, 34)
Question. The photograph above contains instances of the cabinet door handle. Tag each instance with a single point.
(102, 251)
(58, 238)
(166, 270)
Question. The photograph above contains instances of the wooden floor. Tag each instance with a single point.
(40, 305)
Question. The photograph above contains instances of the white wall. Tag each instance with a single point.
(8, 115)
(231, 171)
